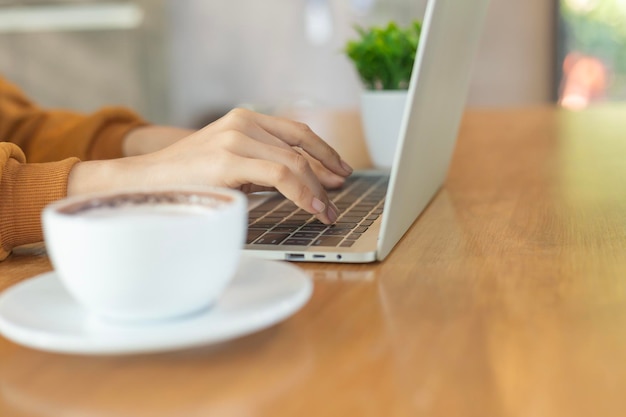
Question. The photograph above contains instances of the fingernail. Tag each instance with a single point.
(332, 215)
(347, 167)
(317, 205)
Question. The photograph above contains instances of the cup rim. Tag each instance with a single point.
(75, 204)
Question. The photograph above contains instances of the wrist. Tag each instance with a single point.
(147, 139)
(98, 176)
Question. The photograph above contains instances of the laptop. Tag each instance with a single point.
(377, 208)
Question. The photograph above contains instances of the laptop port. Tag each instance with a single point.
(295, 256)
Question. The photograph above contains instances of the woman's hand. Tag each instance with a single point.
(243, 150)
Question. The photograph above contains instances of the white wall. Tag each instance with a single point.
(85, 68)
(261, 53)
(193, 59)
(515, 63)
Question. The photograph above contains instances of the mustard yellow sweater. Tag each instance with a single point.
(38, 148)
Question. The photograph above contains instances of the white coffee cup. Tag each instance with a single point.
(146, 254)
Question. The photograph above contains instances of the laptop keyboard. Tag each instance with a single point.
(279, 221)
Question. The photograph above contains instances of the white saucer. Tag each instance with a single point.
(41, 314)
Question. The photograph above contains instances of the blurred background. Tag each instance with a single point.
(186, 62)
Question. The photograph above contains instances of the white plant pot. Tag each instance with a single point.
(381, 114)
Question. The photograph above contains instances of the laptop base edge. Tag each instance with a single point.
(312, 256)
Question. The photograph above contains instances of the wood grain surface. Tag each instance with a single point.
(507, 297)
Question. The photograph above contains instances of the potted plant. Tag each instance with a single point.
(383, 58)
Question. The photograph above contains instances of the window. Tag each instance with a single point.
(592, 52)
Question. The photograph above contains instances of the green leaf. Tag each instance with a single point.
(384, 56)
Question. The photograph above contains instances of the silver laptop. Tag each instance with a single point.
(377, 208)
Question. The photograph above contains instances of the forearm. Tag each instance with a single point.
(130, 171)
(102, 176)
(147, 139)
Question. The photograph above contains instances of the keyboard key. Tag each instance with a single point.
(256, 214)
(314, 228)
(253, 235)
(281, 212)
(341, 225)
(347, 243)
(290, 222)
(301, 217)
(272, 238)
(262, 225)
(349, 219)
(356, 213)
(297, 242)
(336, 232)
(327, 241)
(308, 235)
(286, 228)
(271, 218)
(269, 205)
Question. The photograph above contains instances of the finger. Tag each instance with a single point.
(253, 188)
(243, 146)
(267, 173)
(327, 178)
(299, 134)
(252, 129)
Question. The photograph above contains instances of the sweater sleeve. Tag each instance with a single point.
(52, 141)
(52, 135)
(25, 189)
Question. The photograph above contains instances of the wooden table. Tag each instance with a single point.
(506, 298)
